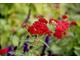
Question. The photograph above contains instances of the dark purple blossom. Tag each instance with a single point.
(44, 47)
(28, 16)
(47, 41)
(10, 48)
(26, 20)
(25, 49)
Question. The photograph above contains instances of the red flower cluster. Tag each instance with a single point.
(42, 19)
(39, 28)
(3, 51)
(73, 23)
(61, 28)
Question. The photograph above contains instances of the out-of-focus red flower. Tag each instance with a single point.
(57, 6)
(39, 28)
(73, 23)
(3, 51)
(64, 16)
(42, 19)
(61, 28)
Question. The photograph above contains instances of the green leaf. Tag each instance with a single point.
(15, 40)
(77, 48)
(55, 49)
(78, 22)
(19, 53)
(3, 41)
(2, 22)
(77, 53)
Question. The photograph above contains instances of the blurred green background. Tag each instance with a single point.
(12, 15)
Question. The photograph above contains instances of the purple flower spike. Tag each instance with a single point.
(47, 39)
(44, 47)
(25, 47)
(10, 48)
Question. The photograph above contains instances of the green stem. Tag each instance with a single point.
(45, 43)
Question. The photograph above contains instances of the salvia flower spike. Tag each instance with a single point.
(10, 48)
(26, 20)
(44, 47)
(25, 49)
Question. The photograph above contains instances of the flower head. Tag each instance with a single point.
(25, 47)
(39, 28)
(47, 39)
(10, 48)
(64, 16)
(73, 23)
(3, 51)
(61, 28)
(42, 19)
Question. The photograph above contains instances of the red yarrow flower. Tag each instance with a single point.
(3, 51)
(42, 19)
(61, 28)
(64, 16)
(39, 28)
(73, 23)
